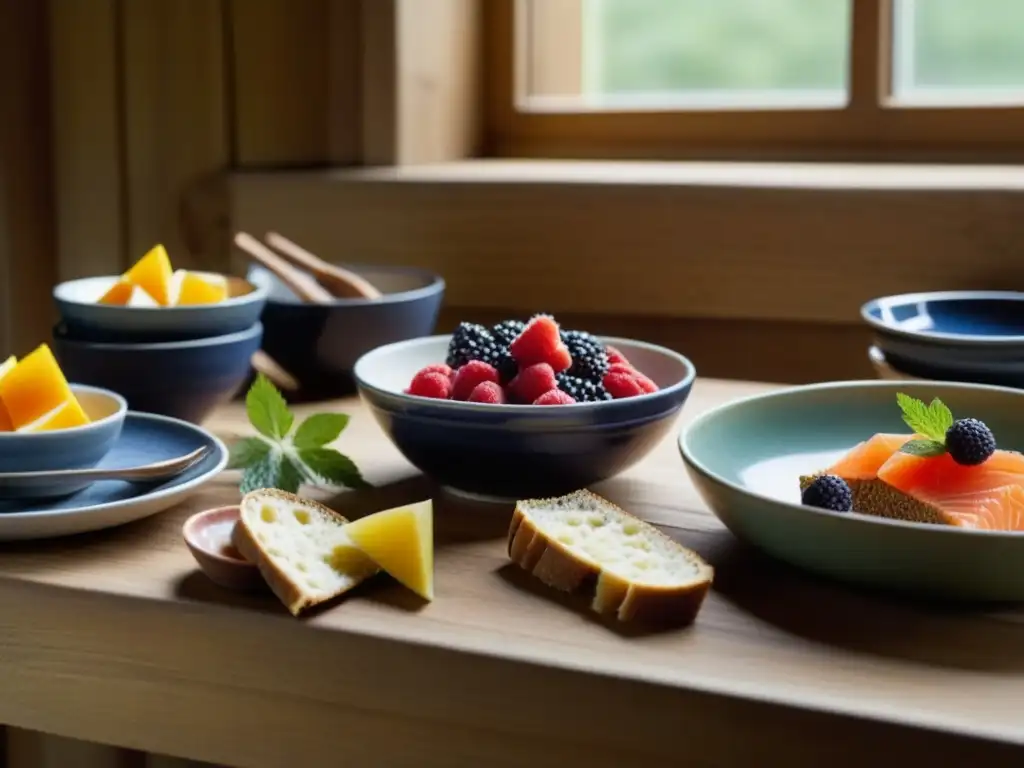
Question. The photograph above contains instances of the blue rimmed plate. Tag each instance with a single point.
(950, 318)
(145, 438)
(745, 458)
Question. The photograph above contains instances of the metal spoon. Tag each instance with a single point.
(33, 482)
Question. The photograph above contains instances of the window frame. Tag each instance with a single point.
(873, 126)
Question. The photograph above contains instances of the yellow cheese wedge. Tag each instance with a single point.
(194, 288)
(152, 273)
(5, 420)
(34, 387)
(118, 295)
(65, 416)
(401, 542)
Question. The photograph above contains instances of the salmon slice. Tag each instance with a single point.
(864, 460)
(989, 496)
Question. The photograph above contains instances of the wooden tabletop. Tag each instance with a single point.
(115, 637)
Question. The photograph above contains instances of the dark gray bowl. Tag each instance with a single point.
(512, 452)
(320, 345)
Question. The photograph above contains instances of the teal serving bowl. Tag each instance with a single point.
(74, 448)
(745, 458)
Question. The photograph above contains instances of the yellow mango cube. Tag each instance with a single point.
(153, 273)
(195, 289)
(34, 387)
(65, 416)
(5, 420)
(119, 294)
(401, 542)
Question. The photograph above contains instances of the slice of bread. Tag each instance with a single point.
(300, 548)
(583, 543)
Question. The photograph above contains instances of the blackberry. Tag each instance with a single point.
(582, 390)
(829, 492)
(469, 342)
(970, 442)
(507, 330)
(497, 354)
(589, 358)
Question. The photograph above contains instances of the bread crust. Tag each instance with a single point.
(557, 566)
(288, 592)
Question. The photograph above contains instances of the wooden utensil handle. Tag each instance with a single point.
(342, 282)
(301, 284)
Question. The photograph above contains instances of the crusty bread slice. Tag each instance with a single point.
(300, 548)
(583, 543)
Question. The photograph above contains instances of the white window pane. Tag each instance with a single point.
(718, 52)
(952, 51)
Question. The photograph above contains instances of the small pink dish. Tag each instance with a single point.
(208, 536)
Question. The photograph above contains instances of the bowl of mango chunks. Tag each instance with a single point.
(154, 302)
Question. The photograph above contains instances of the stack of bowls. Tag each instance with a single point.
(966, 336)
(174, 361)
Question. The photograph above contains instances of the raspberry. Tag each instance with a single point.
(829, 492)
(468, 376)
(540, 342)
(645, 383)
(970, 442)
(621, 385)
(554, 397)
(532, 382)
(441, 368)
(487, 392)
(614, 356)
(625, 368)
(430, 384)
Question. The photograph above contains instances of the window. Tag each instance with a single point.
(778, 78)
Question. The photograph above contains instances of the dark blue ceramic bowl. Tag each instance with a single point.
(520, 451)
(182, 379)
(319, 344)
(950, 318)
(74, 448)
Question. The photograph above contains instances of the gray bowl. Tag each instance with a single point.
(320, 344)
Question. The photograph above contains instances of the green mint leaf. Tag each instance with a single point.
(247, 451)
(275, 470)
(333, 467)
(924, 448)
(932, 421)
(267, 410)
(319, 430)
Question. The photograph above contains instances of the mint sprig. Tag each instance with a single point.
(279, 457)
(931, 421)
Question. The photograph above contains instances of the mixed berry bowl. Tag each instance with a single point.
(463, 410)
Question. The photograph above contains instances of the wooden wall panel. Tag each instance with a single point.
(176, 123)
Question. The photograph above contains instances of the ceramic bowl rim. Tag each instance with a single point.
(458, 406)
(163, 346)
(259, 293)
(118, 415)
(188, 534)
(435, 285)
(938, 336)
(851, 518)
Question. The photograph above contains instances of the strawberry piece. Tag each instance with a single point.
(554, 397)
(614, 356)
(487, 392)
(645, 383)
(621, 385)
(540, 342)
(468, 376)
(532, 382)
(430, 384)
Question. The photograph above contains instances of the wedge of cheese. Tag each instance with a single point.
(401, 542)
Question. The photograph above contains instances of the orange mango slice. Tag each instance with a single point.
(34, 387)
(65, 416)
(6, 425)
(200, 289)
(119, 294)
(153, 273)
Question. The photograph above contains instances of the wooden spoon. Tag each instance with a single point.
(341, 282)
(301, 284)
(263, 363)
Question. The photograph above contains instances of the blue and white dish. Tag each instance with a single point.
(182, 379)
(74, 448)
(952, 318)
(145, 438)
(745, 459)
(319, 343)
(507, 452)
(77, 303)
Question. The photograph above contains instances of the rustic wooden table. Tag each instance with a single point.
(116, 638)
